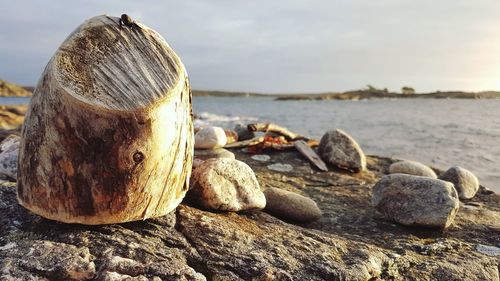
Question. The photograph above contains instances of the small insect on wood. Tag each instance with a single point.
(127, 21)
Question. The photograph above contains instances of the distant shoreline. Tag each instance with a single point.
(11, 90)
(355, 95)
(362, 95)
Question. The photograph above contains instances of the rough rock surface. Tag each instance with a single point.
(12, 116)
(412, 168)
(66, 262)
(8, 89)
(290, 206)
(205, 154)
(9, 150)
(349, 242)
(210, 138)
(415, 200)
(339, 149)
(465, 182)
(226, 184)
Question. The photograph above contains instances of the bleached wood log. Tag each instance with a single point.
(108, 136)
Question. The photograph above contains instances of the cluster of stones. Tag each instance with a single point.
(411, 194)
(220, 182)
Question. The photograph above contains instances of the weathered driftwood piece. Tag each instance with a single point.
(310, 154)
(108, 136)
(278, 143)
(312, 143)
(245, 143)
(270, 127)
(271, 142)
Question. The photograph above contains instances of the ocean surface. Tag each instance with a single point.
(14, 100)
(440, 133)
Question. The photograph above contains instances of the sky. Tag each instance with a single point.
(284, 46)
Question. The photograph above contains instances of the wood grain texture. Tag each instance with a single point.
(108, 136)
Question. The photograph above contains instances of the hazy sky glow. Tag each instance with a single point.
(284, 46)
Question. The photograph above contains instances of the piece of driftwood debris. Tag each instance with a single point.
(310, 154)
(278, 143)
(312, 142)
(245, 143)
(271, 142)
(108, 137)
(270, 127)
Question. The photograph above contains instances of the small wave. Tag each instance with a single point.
(211, 117)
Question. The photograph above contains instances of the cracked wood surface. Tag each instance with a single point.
(108, 136)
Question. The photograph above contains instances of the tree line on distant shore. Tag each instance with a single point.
(404, 90)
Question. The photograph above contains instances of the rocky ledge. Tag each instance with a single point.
(349, 242)
(11, 118)
(8, 89)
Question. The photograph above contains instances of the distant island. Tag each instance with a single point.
(364, 95)
(8, 89)
(369, 92)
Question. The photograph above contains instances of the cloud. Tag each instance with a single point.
(283, 46)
